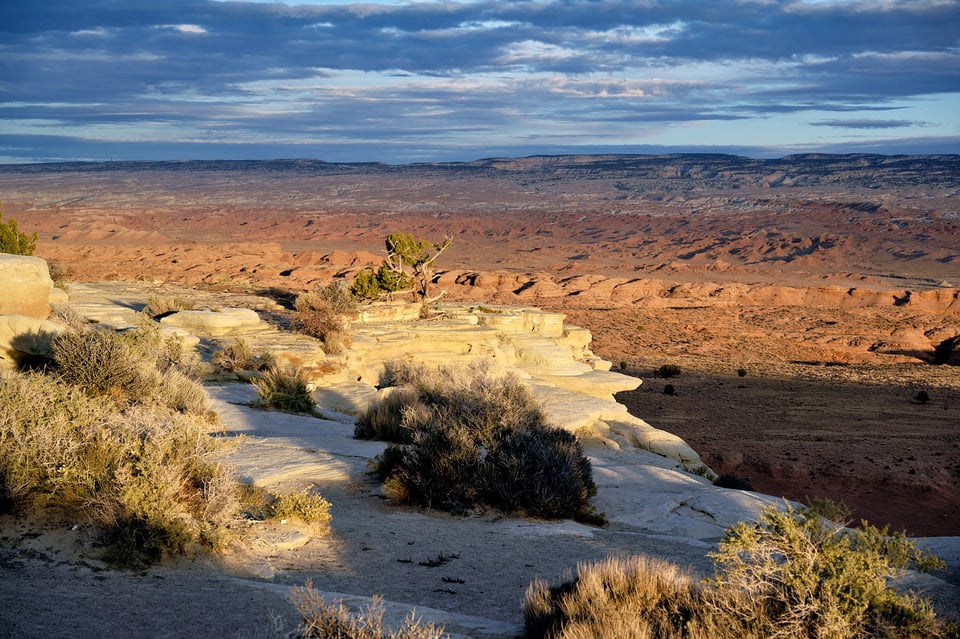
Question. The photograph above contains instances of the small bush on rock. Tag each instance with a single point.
(307, 506)
(162, 306)
(480, 439)
(238, 356)
(324, 314)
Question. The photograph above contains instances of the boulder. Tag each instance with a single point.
(23, 338)
(216, 323)
(26, 284)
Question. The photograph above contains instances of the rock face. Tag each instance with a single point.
(574, 386)
(24, 286)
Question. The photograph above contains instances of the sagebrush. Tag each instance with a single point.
(140, 366)
(239, 356)
(480, 439)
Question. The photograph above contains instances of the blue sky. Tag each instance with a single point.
(432, 81)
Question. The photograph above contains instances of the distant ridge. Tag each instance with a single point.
(721, 170)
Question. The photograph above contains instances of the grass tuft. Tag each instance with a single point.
(284, 389)
(322, 620)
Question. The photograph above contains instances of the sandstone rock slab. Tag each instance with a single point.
(25, 284)
(216, 323)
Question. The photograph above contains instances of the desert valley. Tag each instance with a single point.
(811, 303)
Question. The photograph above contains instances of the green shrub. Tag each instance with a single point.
(408, 268)
(793, 575)
(807, 576)
(366, 285)
(322, 620)
(324, 314)
(13, 241)
(481, 439)
(284, 389)
(741, 372)
(148, 478)
(669, 370)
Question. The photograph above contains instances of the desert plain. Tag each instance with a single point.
(808, 301)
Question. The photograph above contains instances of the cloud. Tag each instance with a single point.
(328, 72)
(868, 124)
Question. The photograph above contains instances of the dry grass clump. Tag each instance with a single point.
(324, 314)
(793, 575)
(621, 598)
(480, 439)
(284, 389)
(322, 620)
(162, 306)
(238, 356)
(146, 476)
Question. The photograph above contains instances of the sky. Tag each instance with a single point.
(400, 81)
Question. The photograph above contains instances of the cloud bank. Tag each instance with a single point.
(455, 80)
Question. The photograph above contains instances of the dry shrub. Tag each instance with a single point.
(284, 389)
(105, 363)
(383, 420)
(324, 314)
(60, 272)
(480, 439)
(147, 477)
(140, 366)
(792, 575)
(322, 620)
(238, 356)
